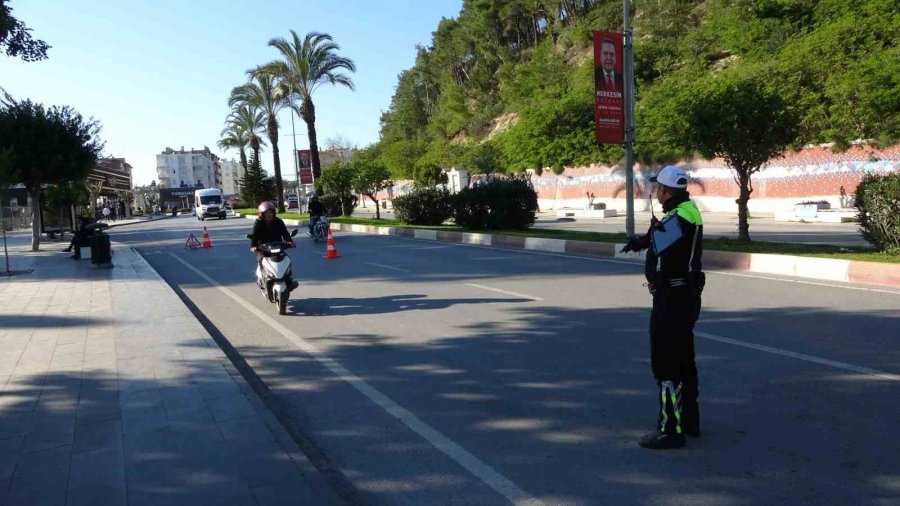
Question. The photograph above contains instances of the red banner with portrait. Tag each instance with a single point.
(304, 162)
(609, 88)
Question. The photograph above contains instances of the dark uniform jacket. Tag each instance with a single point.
(263, 233)
(681, 263)
(316, 208)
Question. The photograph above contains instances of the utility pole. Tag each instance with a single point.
(294, 138)
(628, 77)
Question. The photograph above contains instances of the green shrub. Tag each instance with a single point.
(498, 203)
(339, 206)
(424, 206)
(878, 201)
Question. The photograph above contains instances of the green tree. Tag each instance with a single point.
(48, 146)
(369, 179)
(303, 67)
(338, 180)
(17, 39)
(262, 93)
(738, 119)
(250, 122)
(426, 175)
(255, 185)
(234, 137)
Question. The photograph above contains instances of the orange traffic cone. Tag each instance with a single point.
(206, 242)
(330, 252)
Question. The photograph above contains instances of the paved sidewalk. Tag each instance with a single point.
(111, 392)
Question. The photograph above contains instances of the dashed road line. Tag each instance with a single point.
(390, 267)
(481, 470)
(505, 292)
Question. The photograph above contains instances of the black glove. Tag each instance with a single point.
(637, 244)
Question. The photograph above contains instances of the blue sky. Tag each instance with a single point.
(158, 74)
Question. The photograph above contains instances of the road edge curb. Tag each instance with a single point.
(336, 484)
(825, 269)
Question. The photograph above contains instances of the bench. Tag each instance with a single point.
(52, 231)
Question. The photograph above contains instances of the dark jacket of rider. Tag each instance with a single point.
(269, 232)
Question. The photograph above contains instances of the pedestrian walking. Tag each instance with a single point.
(106, 213)
(675, 278)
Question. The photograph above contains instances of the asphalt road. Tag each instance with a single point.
(427, 373)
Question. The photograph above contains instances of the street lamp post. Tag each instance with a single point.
(629, 119)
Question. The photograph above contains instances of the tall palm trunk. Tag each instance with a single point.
(243, 154)
(272, 128)
(254, 146)
(308, 113)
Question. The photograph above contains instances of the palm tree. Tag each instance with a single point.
(251, 122)
(263, 93)
(234, 137)
(304, 66)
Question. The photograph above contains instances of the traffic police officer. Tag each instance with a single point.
(676, 281)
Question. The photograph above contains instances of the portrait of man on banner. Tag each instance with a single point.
(607, 76)
(609, 88)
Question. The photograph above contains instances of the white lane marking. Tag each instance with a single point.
(487, 474)
(478, 259)
(800, 356)
(641, 265)
(398, 269)
(800, 281)
(506, 292)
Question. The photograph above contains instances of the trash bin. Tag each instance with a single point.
(101, 254)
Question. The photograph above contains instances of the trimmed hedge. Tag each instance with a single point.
(424, 206)
(878, 202)
(498, 203)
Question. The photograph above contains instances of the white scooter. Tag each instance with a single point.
(274, 276)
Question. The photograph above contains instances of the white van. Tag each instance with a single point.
(209, 203)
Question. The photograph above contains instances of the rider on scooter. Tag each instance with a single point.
(316, 211)
(268, 228)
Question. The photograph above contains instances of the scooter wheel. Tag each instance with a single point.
(282, 303)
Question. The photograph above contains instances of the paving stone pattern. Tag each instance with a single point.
(111, 392)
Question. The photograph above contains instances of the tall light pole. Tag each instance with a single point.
(628, 49)
(294, 136)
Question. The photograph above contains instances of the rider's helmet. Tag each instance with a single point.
(263, 207)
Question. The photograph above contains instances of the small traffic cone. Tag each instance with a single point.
(330, 252)
(206, 242)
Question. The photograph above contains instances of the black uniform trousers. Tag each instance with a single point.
(675, 311)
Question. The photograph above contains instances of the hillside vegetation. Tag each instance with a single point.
(508, 84)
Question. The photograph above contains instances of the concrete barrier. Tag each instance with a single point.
(543, 244)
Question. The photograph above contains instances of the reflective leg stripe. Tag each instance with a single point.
(676, 405)
(670, 393)
(665, 417)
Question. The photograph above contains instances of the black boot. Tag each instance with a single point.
(669, 433)
(662, 441)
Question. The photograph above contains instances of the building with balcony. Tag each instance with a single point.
(232, 172)
(194, 168)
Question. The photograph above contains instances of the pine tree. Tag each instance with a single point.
(254, 187)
